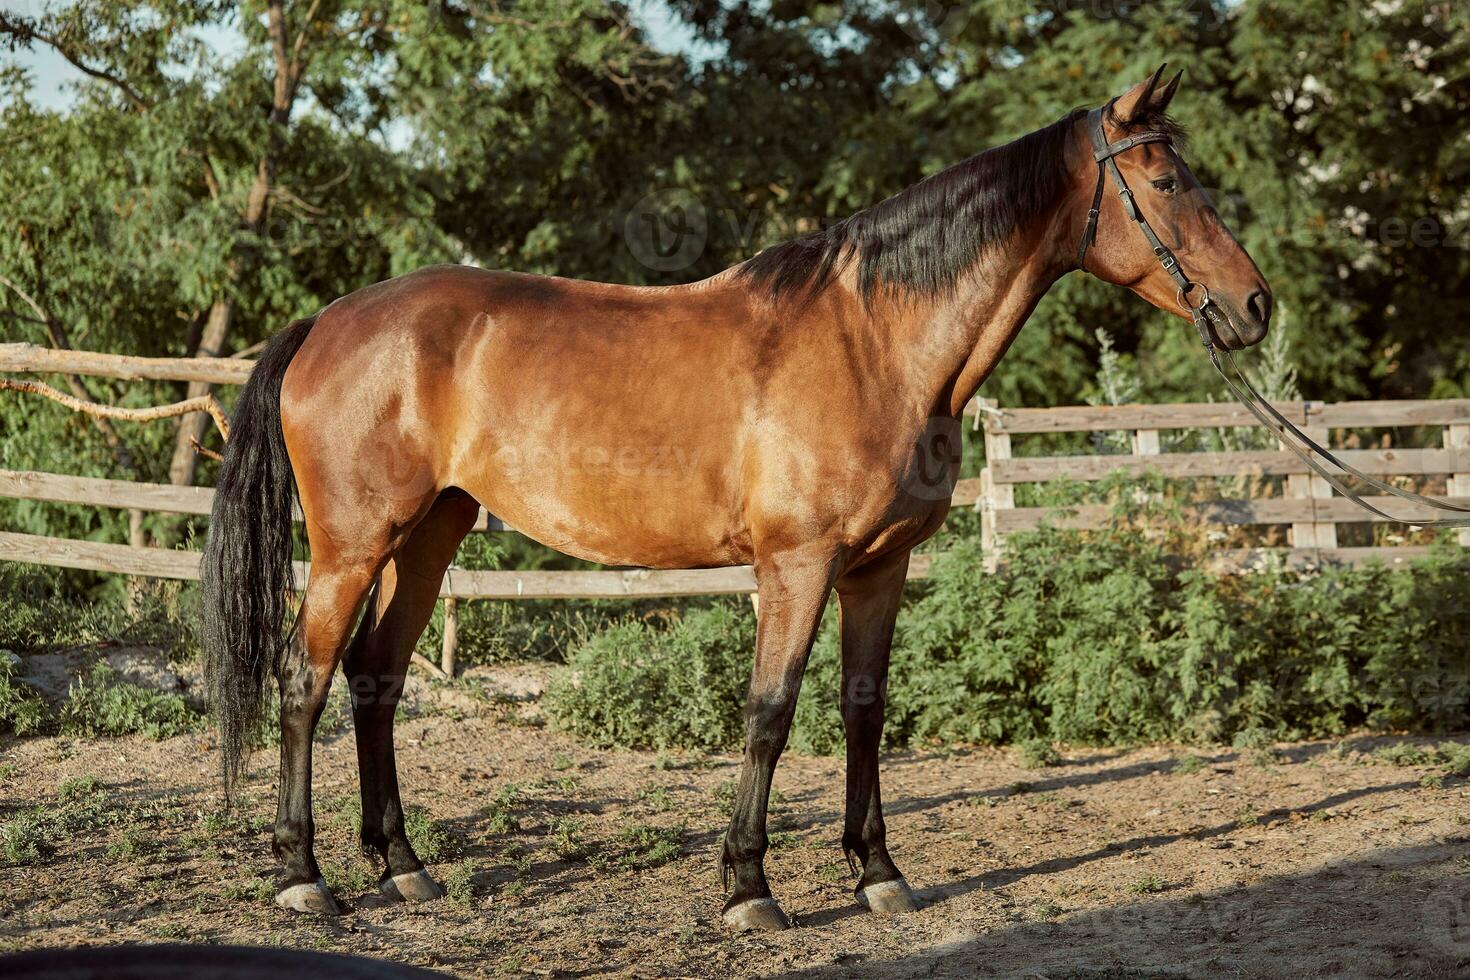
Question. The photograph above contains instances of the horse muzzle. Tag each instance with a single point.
(1232, 329)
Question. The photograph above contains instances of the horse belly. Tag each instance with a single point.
(639, 503)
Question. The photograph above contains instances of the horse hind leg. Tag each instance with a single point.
(375, 666)
(334, 595)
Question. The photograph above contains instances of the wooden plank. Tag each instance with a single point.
(995, 497)
(1269, 510)
(1310, 486)
(93, 491)
(98, 556)
(458, 583)
(47, 360)
(1189, 415)
(966, 492)
(450, 649)
(1104, 418)
(162, 498)
(1236, 560)
(1378, 462)
(1458, 437)
(1408, 412)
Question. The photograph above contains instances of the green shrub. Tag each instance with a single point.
(21, 709)
(104, 704)
(643, 685)
(1107, 637)
(47, 608)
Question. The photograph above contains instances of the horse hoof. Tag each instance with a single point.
(756, 915)
(889, 897)
(413, 886)
(311, 897)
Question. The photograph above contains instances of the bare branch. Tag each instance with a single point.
(26, 298)
(203, 403)
(25, 33)
(207, 453)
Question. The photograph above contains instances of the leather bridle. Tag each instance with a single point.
(1105, 154)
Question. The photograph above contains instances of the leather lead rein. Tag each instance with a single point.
(1245, 392)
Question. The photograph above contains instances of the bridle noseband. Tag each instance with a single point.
(1105, 154)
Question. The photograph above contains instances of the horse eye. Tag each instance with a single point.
(1165, 185)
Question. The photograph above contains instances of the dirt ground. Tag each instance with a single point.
(1317, 860)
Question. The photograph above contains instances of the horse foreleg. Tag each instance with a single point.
(869, 602)
(793, 589)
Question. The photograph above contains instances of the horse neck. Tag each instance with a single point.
(954, 340)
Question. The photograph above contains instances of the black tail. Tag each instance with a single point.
(245, 576)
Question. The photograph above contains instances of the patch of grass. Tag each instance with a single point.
(351, 878)
(983, 801)
(561, 762)
(25, 838)
(30, 836)
(1246, 817)
(460, 886)
(782, 840)
(133, 844)
(248, 889)
(640, 847)
(103, 704)
(1149, 884)
(566, 839)
(1188, 765)
(432, 840)
(658, 799)
(1449, 758)
(500, 818)
(1038, 753)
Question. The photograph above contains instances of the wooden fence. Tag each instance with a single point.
(1308, 504)
(1309, 507)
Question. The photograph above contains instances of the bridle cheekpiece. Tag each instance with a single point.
(1105, 154)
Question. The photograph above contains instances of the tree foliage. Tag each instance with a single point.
(225, 167)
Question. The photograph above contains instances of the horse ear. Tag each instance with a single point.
(1142, 99)
(1162, 100)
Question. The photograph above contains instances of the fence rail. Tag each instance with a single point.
(1308, 506)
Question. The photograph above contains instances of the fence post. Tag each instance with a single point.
(993, 496)
(451, 637)
(1146, 442)
(1458, 437)
(1309, 486)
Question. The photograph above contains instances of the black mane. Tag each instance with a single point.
(924, 237)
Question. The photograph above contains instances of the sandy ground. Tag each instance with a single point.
(1317, 861)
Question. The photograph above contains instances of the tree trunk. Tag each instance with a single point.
(193, 427)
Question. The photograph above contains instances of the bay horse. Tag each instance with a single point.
(799, 395)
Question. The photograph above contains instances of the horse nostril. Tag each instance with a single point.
(1259, 306)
